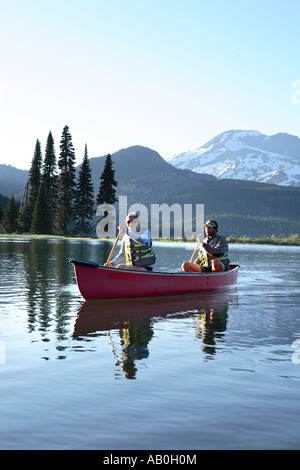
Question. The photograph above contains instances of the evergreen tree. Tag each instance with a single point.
(84, 202)
(50, 174)
(3, 201)
(25, 213)
(66, 182)
(107, 192)
(35, 174)
(11, 216)
(41, 218)
(31, 190)
(1, 214)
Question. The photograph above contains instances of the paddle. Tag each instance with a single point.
(112, 250)
(195, 251)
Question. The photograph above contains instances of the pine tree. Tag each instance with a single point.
(25, 213)
(107, 193)
(41, 218)
(50, 174)
(34, 182)
(31, 190)
(84, 202)
(66, 182)
(11, 216)
(35, 174)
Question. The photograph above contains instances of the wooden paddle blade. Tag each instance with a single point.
(195, 251)
(113, 249)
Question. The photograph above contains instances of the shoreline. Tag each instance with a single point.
(292, 240)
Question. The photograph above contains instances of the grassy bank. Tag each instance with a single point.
(42, 237)
(291, 240)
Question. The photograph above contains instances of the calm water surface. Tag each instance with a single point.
(219, 371)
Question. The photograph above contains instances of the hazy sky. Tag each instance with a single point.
(165, 74)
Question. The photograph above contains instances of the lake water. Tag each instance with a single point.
(218, 371)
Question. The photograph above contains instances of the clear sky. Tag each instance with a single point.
(165, 74)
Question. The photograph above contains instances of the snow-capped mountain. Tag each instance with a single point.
(246, 155)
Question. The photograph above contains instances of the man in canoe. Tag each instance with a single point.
(213, 252)
(136, 246)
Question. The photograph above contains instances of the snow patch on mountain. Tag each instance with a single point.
(246, 155)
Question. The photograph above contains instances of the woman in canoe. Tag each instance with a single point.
(136, 246)
(213, 253)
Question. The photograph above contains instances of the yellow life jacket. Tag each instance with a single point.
(205, 258)
(138, 254)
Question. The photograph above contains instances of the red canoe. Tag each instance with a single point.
(97, 282)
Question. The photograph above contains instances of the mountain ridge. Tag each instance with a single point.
(144, 177)
(12, 180)
(246, 155)
(261, 208)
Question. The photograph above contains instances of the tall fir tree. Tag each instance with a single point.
(84, 200)
(11, 215)
(25, 213)
(66, 182)
(50, 174)
(31, 189)
(107, 192)
(41, 218)
(35, 174)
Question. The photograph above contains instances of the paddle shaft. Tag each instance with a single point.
(113, 249)
(195, 251)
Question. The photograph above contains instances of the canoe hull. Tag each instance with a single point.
(97, 282)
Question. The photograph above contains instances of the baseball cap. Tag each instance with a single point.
(211, 223)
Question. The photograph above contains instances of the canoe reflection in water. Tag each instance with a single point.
(134, 320)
